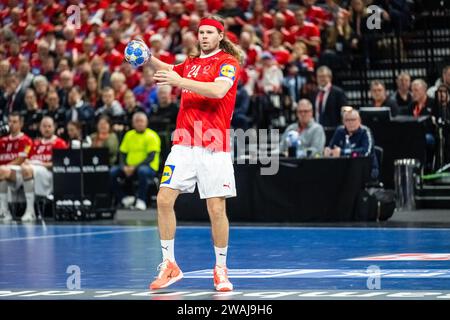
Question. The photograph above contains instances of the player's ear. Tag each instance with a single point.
(221, 35)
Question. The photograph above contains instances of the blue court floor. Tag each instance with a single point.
(113, 259)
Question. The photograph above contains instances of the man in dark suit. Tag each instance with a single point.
(328, 100)
(14, 95)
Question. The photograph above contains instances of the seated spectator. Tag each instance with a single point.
(277, 49)
(445, 79)
(353, 140)
(79, 110)
(41, 86)
(336, 47)
(233, 15)
(76, 139)
(380, 98)
(37, 169)
(403, 95)
(133, 76)
(32, 115)
(301, 58)
(14, 94)
(421, 104)
(66, 84)
(146, 92)
(55, 111)
(328, 100)
(240, 119)
(92, 94)
(164, 114)
(310, 135)
(306, 32)
(104, 137)
(139, 159)
(131, 106)
(111, 107)
(293, 83)
(101, 72)
(14, 149)
(119, 85)
(157, 50)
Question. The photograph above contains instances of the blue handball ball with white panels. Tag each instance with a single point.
(292, 139)
(137, 53)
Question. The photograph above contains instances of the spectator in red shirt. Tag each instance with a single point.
(37, 59)
(251, 50)
(119, 85)
(85, 26)
(133, 76)
(158, 18)
(17, 24)
(315, 14)
(276, 48)
(307, 32)
(29, 44)
(289, 16)
(259, 18)
(157, 50)
(74, 44)
(97, 35)
(14, 55)
(112, 58)
(279, 25)
(201, 8)
(301, 59)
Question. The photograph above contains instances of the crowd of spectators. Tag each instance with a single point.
(69, 64)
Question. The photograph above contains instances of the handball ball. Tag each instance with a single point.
(137, 53)
(292, 138)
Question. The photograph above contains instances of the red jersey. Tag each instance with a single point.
(207, 114)
(12, 148)
(42, 149)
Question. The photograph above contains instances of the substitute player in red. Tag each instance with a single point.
(37, 169)
(201, 147)
(14, 149)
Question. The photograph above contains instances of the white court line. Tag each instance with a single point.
(79, 234)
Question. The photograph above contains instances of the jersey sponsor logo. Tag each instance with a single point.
(406, 257)
(227, 70)
(167, 174)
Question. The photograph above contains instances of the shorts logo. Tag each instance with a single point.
(227, 70)
(167, 174)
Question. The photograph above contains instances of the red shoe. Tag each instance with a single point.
(221, 282)
(169, 273)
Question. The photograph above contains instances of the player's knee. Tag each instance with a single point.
(216, 211)
(4, 172)
(27, 171)
(164, 200)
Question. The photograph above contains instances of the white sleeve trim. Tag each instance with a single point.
(224, 79)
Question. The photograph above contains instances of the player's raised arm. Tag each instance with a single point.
(159, 65)
(216, 90)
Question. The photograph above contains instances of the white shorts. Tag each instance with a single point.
(213, 172)
(18, 182)
(43, 180)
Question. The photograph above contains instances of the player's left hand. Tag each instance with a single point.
(165, 77)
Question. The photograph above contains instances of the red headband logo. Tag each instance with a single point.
(212, 23)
